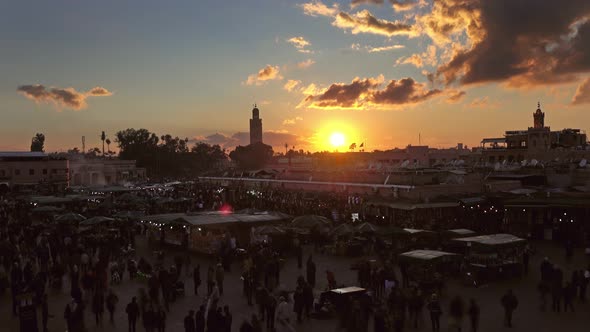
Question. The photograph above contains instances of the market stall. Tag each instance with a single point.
(492, 257)
(428, 268)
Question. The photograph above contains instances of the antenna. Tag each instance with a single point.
(83, 144)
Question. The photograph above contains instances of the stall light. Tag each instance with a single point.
(200, 229)
(572, 220)
(565, 213)
(559, 219)
(523, 210)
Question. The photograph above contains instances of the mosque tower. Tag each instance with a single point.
(255, 126)
(539, 118)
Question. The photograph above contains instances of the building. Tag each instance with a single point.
(92, 172)
(20, 170)
(538, 142)
(255, 126)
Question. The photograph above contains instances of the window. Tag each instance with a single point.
(31, 171)
(54, 171)
(45, 171)
(2, 172)
(17, 172)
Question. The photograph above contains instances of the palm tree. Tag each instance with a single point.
(102, 138)
(108, 141)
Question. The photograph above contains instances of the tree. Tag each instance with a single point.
(103, 137)
(38, 143)
(108, 141)
(252, 156)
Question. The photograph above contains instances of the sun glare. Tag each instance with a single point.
(337, 139)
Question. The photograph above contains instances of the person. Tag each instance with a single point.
(282, 319)
(509, 302)
(246, 327)
(456, 311)
(261, 299)
(331, 279)
(415, 305)
(473, 312)
(307, 299)
(111, 300)
(310, 271)
(213, 299)
(299, 250)
(189, 322)
(525, 261)
(569, 293)
(435, 312)
(98, 306)
(200, 319)
(227, 319)
(44, 312)
(255, 322)
(298, 302)
(210, 279)
(161, 319)
(132, 311)
(248, 285)
(219, 276)
(197, 278)
(149, 318)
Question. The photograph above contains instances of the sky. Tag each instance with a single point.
(386, 73)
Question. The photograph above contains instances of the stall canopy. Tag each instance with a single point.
(493, 240)
(70, 217)
(343, 229)
(425, 255)
(96, 221)
(217, 218)
(46, 209)
(311, 221)
(460, 232)
(367, 228)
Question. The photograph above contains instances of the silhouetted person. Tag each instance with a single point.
(473, 313)
(189, 322)
(44, 312)
(132, 311)
(197, 278)
(111, 302)
(200, 319)
(509, 302)
(310, 271)
(435, 311)
(569, 293)
(456, 311)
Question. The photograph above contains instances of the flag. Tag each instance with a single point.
(352, 146)
(362, 145)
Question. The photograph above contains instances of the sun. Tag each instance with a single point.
(337, 139)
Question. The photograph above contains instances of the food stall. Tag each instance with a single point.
(447, 237)
(492, 257)
(429, 267)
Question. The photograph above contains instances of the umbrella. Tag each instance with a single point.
(45, 209)
(70, 217)
(130, 198)
(344, 229)
(311, 221)
(392, 230)
(95, 221)
(367, 228)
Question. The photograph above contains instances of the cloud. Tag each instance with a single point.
(317, 8)
(405, 5)
(291, 84)
(61, 97)
(292, 121)
(267, 73)
(305, 64)
(522, 43)
(582, 95)
(355, 3)
(483, 102)
(298, 42)
(384, 48)
(364, 22)
(455, 96)
(419, 60)
(367, 93)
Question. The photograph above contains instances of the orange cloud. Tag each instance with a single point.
(419, 60)
(305, 64)
(292, 121)
(267, 73)
(455, 96)
(61, 97)
(291, 84)
(582, 95)
(365, 22)
(317, 8)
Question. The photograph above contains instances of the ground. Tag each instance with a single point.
(527, 317)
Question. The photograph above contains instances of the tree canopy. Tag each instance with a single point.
(38, 143)
(253, 156)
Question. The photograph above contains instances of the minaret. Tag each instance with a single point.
(255, 126)
(539, 118)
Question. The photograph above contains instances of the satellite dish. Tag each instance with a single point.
(504, 162)
(405, 164)
(583, 163)
(497, 166)
(534, 162)
(523, 163)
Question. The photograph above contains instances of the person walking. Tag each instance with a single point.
(525, 261)
(510, 303)
(299, 251)
(197, 278)
(98, 306)
(44, 312)
(200, 319)
(161, 319)
(219, 276)
(569, 293)
(298, 302)
(271, 308)
(210, 279)
(435, 312)
(456, 311)
(310, 271)
(189, 322)
(132, 311)
(227, 319)
(473, 313)
(111, 302)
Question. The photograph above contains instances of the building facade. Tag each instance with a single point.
(31, 170)
(255, 126)
(96, 172)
